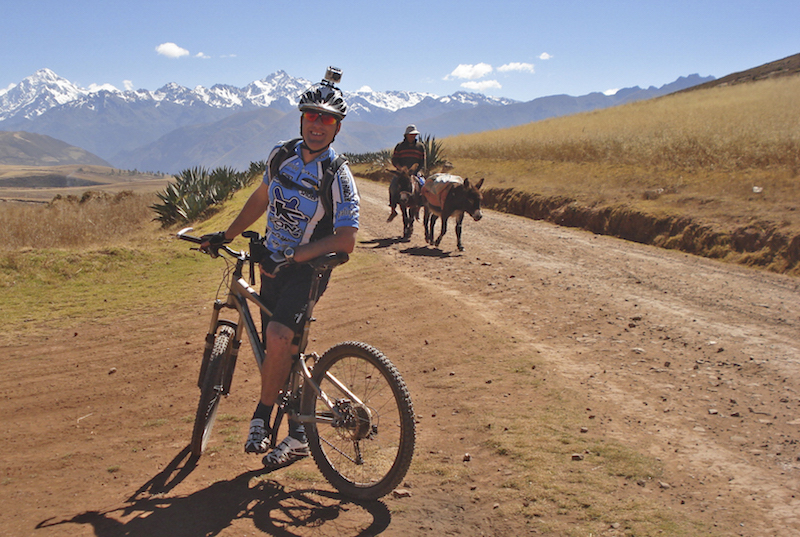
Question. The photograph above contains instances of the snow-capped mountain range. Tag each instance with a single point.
(44, 90)
(174, 127)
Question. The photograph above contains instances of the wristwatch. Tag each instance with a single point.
(289, 254)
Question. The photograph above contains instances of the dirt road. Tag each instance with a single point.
(691, 362)
(700, 360)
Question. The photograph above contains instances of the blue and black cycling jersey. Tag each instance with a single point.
(296, 214)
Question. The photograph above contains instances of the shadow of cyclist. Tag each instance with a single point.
(273, 509)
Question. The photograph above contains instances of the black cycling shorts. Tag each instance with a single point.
(286, 295)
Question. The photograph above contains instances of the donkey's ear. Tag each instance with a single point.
(479, 184)
(466, 182)
(414, 167)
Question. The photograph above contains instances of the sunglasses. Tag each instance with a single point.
(326, 119)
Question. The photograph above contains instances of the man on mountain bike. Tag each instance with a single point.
(299, 228)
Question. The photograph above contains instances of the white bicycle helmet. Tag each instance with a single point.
(325, 97)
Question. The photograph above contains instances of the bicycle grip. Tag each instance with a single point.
(182, 234)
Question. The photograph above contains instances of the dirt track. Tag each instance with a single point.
(682, 358)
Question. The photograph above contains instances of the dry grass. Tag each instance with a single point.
(93, 219)
(748, 126)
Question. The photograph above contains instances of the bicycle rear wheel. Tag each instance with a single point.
(366, 453)
(212, 389)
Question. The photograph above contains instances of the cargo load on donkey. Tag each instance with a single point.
(445, 195)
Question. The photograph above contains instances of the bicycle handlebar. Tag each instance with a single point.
(322, 262)
(182, 234)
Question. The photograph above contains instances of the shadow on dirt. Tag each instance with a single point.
(273, 509)
(385, 242)
(420, 251)
(425, 251)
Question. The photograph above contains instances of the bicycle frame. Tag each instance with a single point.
(240, 292)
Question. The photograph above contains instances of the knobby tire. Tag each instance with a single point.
(387, 447)
(212, 388)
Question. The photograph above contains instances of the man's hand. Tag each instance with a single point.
(272, 264)
(212, 242)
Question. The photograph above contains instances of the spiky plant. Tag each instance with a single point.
(195, 190)
(434, 152)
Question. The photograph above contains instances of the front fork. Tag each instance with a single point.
(211, 337)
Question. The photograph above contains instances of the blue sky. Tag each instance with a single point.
(520, 49)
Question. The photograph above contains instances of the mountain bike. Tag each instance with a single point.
(355, 406)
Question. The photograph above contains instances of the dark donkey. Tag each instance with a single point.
(405, 191)
(446, 195)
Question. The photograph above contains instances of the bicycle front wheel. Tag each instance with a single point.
(363, 448)
(212, 388)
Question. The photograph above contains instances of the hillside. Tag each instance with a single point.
(28, 149)
(785, 67)
(245, 136)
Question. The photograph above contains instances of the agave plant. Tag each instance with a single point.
(434, 152)
(257, 169)
(168, 212)
(376, 157)
(195, 190)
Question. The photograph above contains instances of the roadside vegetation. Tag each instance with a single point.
(94, 218)
(196, 190)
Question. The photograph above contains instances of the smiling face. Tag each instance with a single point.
(319, 132)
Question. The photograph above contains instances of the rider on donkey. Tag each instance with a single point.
(407, 154)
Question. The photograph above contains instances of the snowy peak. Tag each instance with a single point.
(36, 94)
(389, 100)
(274, 87)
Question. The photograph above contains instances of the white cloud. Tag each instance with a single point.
(470, 72)
(482, 86)
(610, 92)
(545, 56)
(171, 50)
(516, 66)
(202, 56)
(128, 85)
(364, 89)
